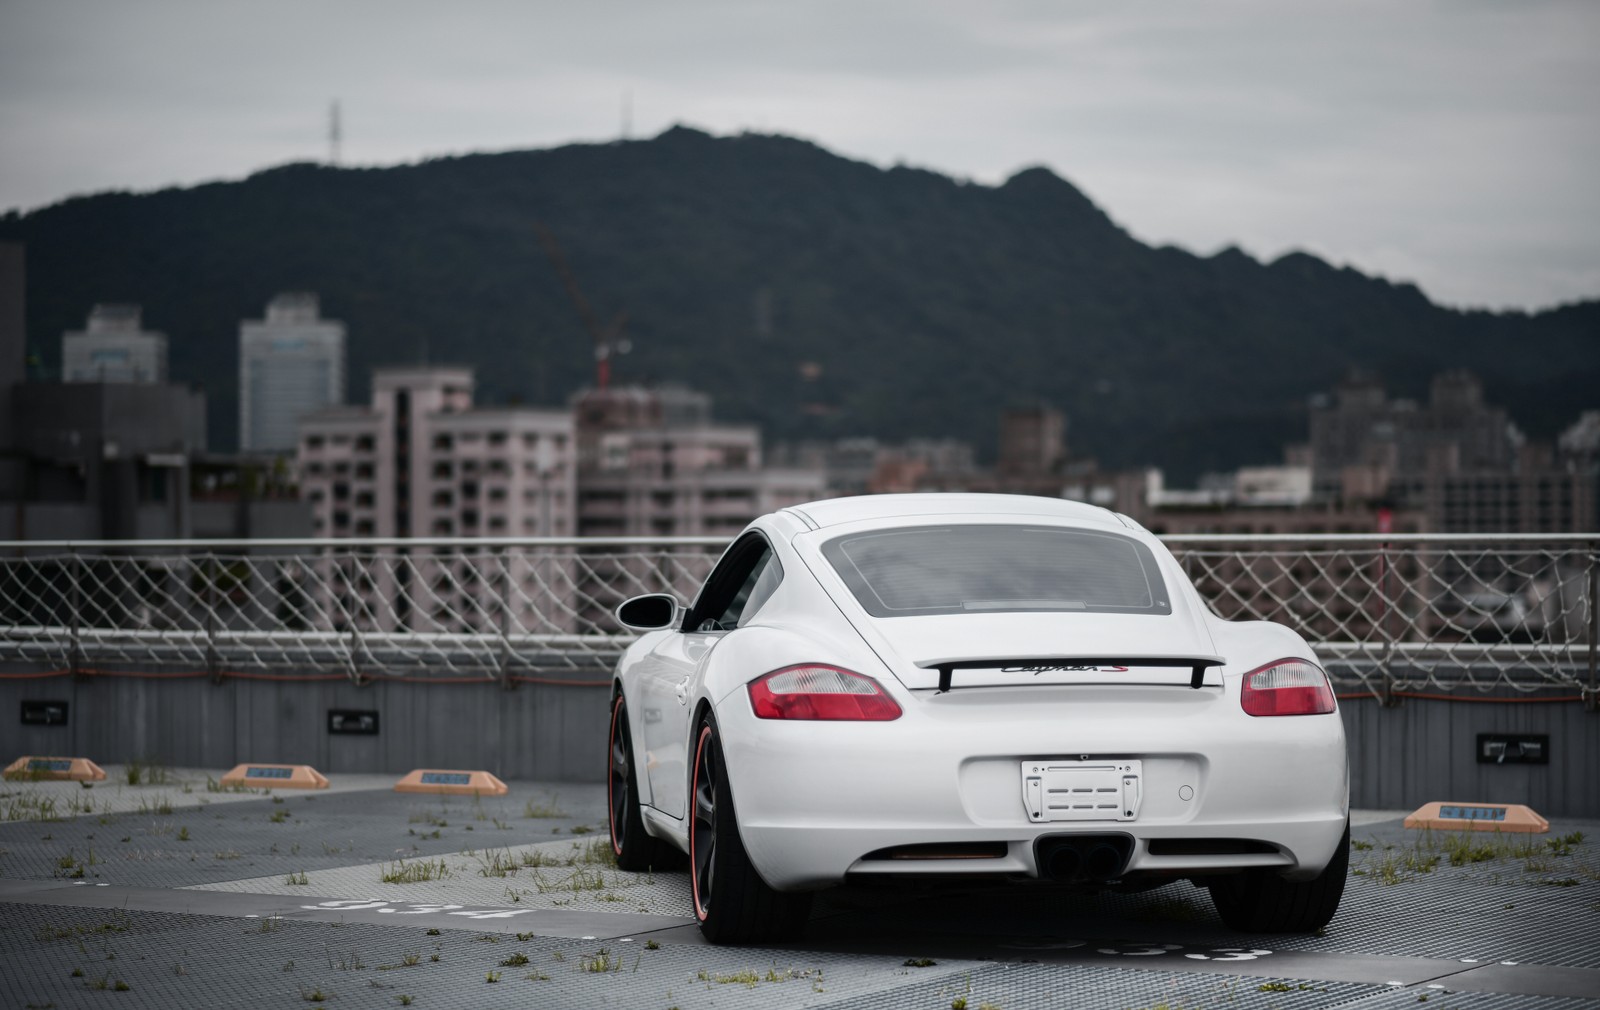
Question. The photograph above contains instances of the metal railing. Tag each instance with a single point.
(1388, 614)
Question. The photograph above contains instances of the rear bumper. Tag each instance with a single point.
(814, 799)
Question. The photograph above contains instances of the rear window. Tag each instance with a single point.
(927, 570)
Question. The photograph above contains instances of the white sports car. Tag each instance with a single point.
(1027, 688)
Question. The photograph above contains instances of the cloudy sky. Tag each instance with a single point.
(1454, 143)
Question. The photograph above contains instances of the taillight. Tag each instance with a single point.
(819, 691)
(1287, 687)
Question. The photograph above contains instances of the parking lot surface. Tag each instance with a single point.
(177, 893)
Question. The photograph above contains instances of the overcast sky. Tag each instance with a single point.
(1454, 143)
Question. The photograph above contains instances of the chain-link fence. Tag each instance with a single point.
(1424, 613)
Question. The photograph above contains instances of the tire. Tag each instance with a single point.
(635, 849)
(1259, 901)
(732, 902)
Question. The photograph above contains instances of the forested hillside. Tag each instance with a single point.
(815, 295)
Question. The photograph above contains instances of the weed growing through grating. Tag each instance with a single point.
(415, 872)
(516, 960)
(30, 807)
(116, 924)
(297, 878)
(147, 773)
(545, 808)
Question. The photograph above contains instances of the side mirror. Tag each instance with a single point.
(648, 613)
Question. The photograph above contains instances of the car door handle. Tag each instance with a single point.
(682, 690)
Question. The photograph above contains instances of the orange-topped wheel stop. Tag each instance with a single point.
(453, 783)
(1508, 817)
(254, 776)
(75, 769)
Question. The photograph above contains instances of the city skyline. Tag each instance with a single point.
(1446, 144)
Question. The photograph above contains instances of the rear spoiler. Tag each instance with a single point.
(947, 667)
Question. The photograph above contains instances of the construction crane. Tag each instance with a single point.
(608, 339)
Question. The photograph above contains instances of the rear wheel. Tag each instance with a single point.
(1259, 901)
(633, 846)
(732, 902)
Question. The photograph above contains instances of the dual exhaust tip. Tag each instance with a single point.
(1083, 858)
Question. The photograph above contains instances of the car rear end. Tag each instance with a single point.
(1085, 727)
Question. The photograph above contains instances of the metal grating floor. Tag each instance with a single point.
(1009, 947)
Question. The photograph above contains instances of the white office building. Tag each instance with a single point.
(290, 364)
(114, 347)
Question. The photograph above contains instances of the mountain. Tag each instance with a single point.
(812, 294)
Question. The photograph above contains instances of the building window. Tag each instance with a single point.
(443, 470)
(364, 470)
(443, 442)
(497, 438)
(364, 499)
(313, 442)
(497, 524)
(497, 494)
(363, 527)
(443, 499)
(341, 491)
(366, 443)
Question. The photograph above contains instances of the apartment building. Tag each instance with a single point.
(653, 463)
(422, 461)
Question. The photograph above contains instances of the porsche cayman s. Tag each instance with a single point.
(928, 684)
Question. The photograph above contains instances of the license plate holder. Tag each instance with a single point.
(1056, 789)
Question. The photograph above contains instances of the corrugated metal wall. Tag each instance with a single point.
(1400, 757)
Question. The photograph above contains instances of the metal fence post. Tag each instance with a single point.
(505, 620)
(75, 613)
(1592, 700)
(211, 573)
(350, 613)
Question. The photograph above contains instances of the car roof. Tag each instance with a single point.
(833, 511)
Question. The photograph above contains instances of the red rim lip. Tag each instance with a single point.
(694, 869)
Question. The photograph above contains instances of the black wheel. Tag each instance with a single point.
(1259, 901)
(633, 846)
(732, 902)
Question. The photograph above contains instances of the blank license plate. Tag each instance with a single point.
(1056, 790)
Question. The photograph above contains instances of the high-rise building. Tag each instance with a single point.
(290, 364)
(114, 347)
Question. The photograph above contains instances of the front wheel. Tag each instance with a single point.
(732, 902)
(1258, 901)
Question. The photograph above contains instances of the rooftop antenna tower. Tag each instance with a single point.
(335, 133)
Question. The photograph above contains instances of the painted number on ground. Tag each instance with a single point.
(1206, 954)
(417, 908)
